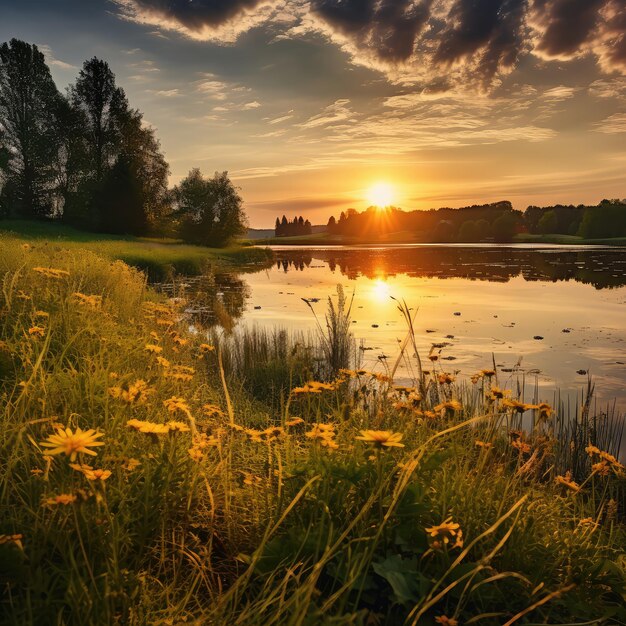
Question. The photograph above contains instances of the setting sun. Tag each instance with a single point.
(380, 195)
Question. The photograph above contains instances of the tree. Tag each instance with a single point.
(104, 105)
(121, 204)
(141, 147)
(210, 210)
(504, 227)
(28, 97)
(468, 231)
(332, 223)
(547, 223)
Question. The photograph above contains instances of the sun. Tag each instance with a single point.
(380, 195)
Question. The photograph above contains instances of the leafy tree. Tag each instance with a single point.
(547, 223)
(28, 98)
(121, 204)
(468, 231)
(210, 210)
(483, 229)
(504, 227)
(104, 106)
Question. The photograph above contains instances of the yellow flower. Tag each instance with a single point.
(450, 405)
(252, 480)
(175, 404)
(148, 428)
(92, 301)
(163, 362)
(90, 473)
(179, 427)
(487, 373)
(44, 314)
(498, 394)
(136, 393)
(382, 438)
(446, 621)
(483, 444)
(294, 421)
(515, 405)
(153, 348)
(521, 446)
(205, 348)
(15, 539)
(545, 410)
(602, 468)
(130, 465)
(567, 481)
(63, 498)
(71, 443)
(212, 410)
(324, 434)
(445, 379)
(314, 386)
(36, 331)
(444, 533)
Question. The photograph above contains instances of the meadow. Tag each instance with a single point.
(154, 473)
(160, 258)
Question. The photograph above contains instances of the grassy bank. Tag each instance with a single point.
(158, 257)
(407, 237)
(258, 493)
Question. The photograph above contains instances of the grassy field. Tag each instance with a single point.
(408, 237)
(158, 257)
(150, 475)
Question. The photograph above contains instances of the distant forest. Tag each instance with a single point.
(487, 222)
(88, 159)
(289, 228)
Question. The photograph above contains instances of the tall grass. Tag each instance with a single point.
(228, 505)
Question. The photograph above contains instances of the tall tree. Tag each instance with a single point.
(104, 106)
(28, 99)
(210, 210)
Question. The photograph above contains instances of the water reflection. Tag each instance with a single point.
(212, 299)
(600, 267)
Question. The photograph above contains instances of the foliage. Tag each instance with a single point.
(355, 502)
(28, 105)
(290, 228)
(209, 210)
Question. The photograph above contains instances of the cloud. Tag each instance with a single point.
(167, 93)
(221, 21)
(251, 105)
(436, 44)
(53, 61)
(332, 114)
(615, 123)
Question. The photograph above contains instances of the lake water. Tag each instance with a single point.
(550, 314)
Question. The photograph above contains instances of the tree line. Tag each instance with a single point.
(497, 221)
(290, 228)
(88, 159)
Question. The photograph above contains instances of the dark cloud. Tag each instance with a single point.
(390, 27)
(491, 31)
(468, 40)
(195, 15)
(566, 25)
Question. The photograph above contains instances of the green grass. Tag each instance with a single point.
(244, 510)
(158, 257)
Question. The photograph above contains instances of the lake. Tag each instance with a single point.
(549, 315)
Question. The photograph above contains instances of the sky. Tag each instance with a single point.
(308, 104)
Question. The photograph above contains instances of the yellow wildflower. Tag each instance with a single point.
(212, 410)
(92, 301)
(148, 428)
(444, 533)
(498, 394)
(175, 404)
(90, 473)
(163, 362)
(482, 444)
(446, 621)
(15, 539)
(136, 393)
(205, 348)
(449, 405)
(521, 446)
(488, 373)
(567, 481)
(36, 331)
(445, 379)
(516, 406)
(153, 348)
(65, 441)
(179, 427)
(382, 438)
(130, 465)
(63, 498)
(294, 421)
